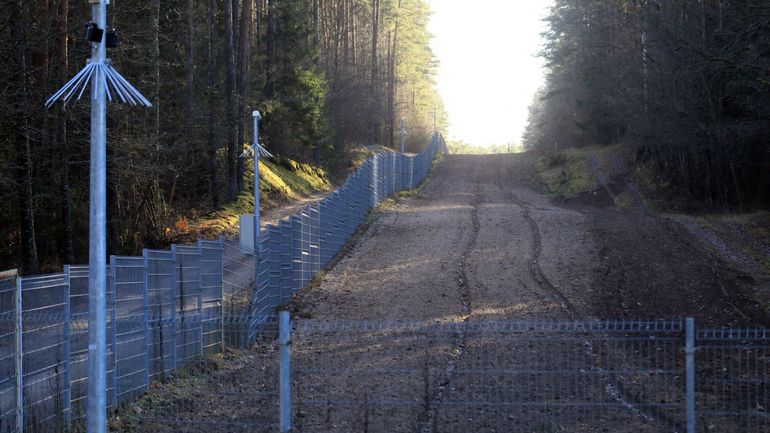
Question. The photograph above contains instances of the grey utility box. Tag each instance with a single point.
(247, 234)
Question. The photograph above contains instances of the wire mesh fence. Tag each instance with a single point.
(295, 249)
(168, 309)
(488, 376)
(164, 310)
(733, 380)
(478, 376)
(9, 375)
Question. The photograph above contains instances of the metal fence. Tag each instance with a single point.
(495, 376)
(489, 376)
(164, 309)
(481, 376)
(168, 308)
(295, 249)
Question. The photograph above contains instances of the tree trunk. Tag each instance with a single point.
(373, 84)
(346, 32)
(212, 77)
(270, 69)
(231, 123)
(393, 80)
(61, 114)
(316, 48)
(192, 137)
(155, 56)
(18, 25)
(243, 75)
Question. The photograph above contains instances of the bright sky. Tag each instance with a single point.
(488, 65)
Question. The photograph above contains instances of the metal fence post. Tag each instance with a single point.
(114, 324)
(19, 357)
(200, 298)
(67, 398)
(285, 370)
(411, 172)
(146, 319)
(174, 289)
(690, 373)
(222, 292)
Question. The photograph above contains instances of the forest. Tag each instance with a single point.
(327, 75)
(683, 84)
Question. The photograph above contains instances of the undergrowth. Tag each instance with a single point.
(568, 173)
(280, 180)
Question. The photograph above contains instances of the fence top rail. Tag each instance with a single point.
(43, 278)
(658, 326)
(733, 334)
(210, 244)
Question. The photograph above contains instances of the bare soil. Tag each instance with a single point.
(483, 233)
(481, 241)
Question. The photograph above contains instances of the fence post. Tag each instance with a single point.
(19, 357)
(200, 297)
(690, 373)
(174, 290)
(222, 292)
(67, 330)
(411, 172)
(285, 370)
(146, 318)
(114, 323)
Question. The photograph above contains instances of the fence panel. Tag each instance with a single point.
(161, 283)
(78, 342)
(129, 282)
(189, 303)
(211, 294)
(488, 376)
(286, 283)
(733, 380)
(8, 385)
(44, 304)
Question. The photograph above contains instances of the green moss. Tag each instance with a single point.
(280, 180)
(625, 201)
(568, 174)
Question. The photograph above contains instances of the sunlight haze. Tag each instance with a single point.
(487, 87)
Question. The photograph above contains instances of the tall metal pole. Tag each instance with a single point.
(403, 132)
(96, 419)
(255, 114)
(99, 74)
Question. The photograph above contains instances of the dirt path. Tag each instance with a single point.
(482, 238)
(480, 242)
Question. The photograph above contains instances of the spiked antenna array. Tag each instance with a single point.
(100, 74)
(103, 74)
(263, 153)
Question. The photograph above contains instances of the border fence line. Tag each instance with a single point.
(619, 376)
(570, 376)
(166, 309)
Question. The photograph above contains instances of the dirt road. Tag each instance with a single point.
(483, 240)
(481, 243)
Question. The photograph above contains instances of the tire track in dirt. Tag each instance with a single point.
(429, 425)
(700, 232)
(614, 389)
(537, 244)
